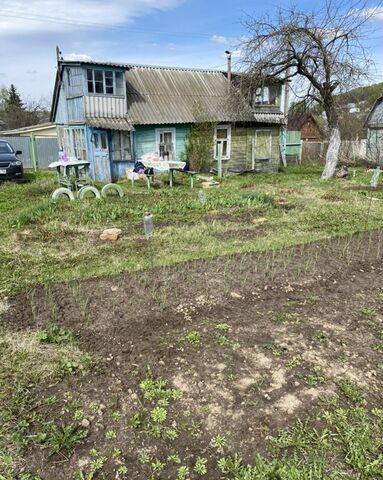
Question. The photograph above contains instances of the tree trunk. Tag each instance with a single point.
(332, 154)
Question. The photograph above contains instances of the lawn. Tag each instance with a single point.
(243, 341)
(42, 241)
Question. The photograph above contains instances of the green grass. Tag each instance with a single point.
(27, 360)
(42, 241)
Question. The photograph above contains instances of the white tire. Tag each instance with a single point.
(59, 192)
(87, 189)
(111, 186)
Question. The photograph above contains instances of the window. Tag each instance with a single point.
(222, 137)
(121, 147)
(105, 82)
(71, 140)
(261, 96)
(266, 95)
(166, 143)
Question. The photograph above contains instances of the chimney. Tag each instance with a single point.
(228, 56)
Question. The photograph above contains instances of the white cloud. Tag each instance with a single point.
(375, 12)
(172, 46)
(56, 15)
(219, 39)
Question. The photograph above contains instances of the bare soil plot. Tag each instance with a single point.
(246, 345)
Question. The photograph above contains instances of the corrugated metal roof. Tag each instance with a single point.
(160, 96)
(375, 117)
(79, 61)
(277, 118)
(109, 123)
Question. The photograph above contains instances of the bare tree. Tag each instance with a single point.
(322, 53)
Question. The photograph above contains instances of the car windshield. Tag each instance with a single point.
(5, 148)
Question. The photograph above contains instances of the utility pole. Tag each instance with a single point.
(285, 112)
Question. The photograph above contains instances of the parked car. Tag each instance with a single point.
(11, 167)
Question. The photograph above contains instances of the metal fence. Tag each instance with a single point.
(46, 150)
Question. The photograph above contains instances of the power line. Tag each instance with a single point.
(87, 24)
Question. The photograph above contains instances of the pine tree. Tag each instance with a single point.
(14, 99)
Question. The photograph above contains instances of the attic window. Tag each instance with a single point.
(261, 96)
(105, 82)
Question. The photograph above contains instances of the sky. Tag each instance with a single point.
(188, 33)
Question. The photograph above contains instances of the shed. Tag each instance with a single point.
(41, 130)
(307, 124)
(374, 124)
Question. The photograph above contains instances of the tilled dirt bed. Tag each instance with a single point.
(253, 342)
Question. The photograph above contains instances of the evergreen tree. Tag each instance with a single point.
(14, 100)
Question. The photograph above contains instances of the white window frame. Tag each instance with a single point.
(228, 150)
(114, 94)
(262, 96)
(171, 130)
(124, 156)
(72, 140)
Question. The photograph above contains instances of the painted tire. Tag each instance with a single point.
(111, 186)
(87, 189)
(59, 192)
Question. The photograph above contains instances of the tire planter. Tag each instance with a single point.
(60, 192)
(87, 189)
(110, 187)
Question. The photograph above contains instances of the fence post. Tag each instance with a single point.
(220, 160)
(300, 153)
(33, 147)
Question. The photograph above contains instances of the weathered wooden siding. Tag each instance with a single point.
(69, 110)
(145, 139)
(375, 133)
(105, 106)
(375, 145)
(259, 142)
(74, 81)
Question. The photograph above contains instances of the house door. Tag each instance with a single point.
(101, 160)
(262, 146)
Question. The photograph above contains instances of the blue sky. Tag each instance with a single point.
(192, 33)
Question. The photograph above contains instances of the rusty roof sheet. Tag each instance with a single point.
(109, 123)
(160, 96)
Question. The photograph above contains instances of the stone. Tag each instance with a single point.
(108, 237)
(111, 234)
(85, 423)
(235, 295)
(259, 221)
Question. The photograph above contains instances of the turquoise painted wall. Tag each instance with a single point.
(145, 139)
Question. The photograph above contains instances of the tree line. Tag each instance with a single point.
(14, 113)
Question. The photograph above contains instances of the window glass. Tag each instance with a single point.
(265, 96)
(98, 81)
(95, 140)
(99, 87)
(98, 76)
(104, 141)
(222, 138)
(127, 154)
(105, 82)
(121, 146)
(116, 146)
(119, 83)
(221, 132)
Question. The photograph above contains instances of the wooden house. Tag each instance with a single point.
(308, 126)
(374, 124)
(111, 114)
